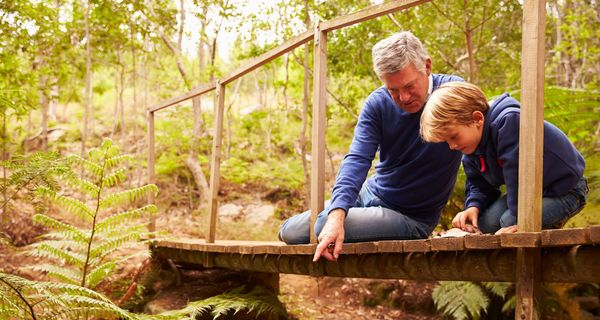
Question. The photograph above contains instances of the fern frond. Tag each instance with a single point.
(113, 244)
(65, 274)
(498, 288)
(100, 273)
(66, 230)
(126, 216)
(113, 161)
(89, 166)
(459, 299)
(84, 185)
(70, 204)
(129, 196)
(46, 250)
(114, 178)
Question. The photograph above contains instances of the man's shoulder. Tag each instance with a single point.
(439, 78)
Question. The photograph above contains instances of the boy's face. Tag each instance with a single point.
(408, 87)
(464, 137)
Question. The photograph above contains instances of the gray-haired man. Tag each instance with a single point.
(413, 179)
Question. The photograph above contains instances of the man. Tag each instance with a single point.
(413, 179)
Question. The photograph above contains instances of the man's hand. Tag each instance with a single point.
(465, 219)
(510, 229)
(331, 238)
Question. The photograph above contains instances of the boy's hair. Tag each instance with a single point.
(395, 52)
(450, 104)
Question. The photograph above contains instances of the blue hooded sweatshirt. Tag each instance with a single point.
(412, 176)
(495, 162)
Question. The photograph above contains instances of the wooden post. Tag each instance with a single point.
(317, 186)
(216, 162)
(531, 143)
(151, 157)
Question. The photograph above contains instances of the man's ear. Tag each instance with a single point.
(428, 66)
(478, 117)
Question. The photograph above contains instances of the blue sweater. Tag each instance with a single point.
(495, 162)
(413, 177)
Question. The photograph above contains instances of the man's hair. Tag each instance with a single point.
(396, 52)
(451, 103)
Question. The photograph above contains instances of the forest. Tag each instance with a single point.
(77, 79)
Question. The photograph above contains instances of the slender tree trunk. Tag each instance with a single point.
(192, 160)
(121, 102)
(4, 217)
(231, 102)
(117, 100)
(469, 41)
(181, 24)
(305, 99)
(44, 101)
(88, 76)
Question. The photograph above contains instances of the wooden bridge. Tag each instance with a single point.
(527, 258)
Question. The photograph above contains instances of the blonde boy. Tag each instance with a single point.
(488, 136)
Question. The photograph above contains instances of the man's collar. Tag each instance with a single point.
(430, 90)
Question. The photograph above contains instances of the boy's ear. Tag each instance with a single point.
(478, 117)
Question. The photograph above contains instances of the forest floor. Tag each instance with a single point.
(304, 297)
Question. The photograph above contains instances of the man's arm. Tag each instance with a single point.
(331, 238)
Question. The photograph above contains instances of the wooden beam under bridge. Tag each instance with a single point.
(560, 264)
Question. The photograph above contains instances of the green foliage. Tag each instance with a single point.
(30, 172)
(88, 251)
(25, 299)
(467, 300)
(257, 300)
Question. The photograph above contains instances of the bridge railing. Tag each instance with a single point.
(531, 128)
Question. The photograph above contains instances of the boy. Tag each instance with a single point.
(488, 136)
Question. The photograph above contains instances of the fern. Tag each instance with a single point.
(236, 300)
(461, 300)
(87, 252)
(25, 299)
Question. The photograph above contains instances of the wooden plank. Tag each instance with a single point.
(363, 247)
(299, 249)
(368, 13)
(448, 244)
(198, 91)
(528, 283)
(564, 237)
(594, 234)
(216, 163)
(269, 56)
(416, 245)
(520, 240)
(390, 246)
(484, 241)
(151, 176)
(317, 188)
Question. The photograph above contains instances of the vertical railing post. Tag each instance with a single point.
(216, 162)
(531, 144)
(317, 188)
(151, 157)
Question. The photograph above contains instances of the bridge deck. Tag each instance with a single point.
(568, 255)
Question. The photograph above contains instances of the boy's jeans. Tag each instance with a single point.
(555, 211)
(368, 220)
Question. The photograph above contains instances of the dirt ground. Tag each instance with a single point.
(308, 297)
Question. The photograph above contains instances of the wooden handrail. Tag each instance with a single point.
(368, 13)
(269, 56)
(200, 90)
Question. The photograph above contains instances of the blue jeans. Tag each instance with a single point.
(555, 211)
(369, 219)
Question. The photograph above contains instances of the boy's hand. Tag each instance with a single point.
(331, 238)
(510, 229)
(464, 218)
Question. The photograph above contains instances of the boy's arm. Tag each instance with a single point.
(478, 192)
(508, 153)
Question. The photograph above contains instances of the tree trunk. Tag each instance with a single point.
(181, 24)
(88, 76)
(192, 160)
(469, 41)
(231, 102)
(305, 99)
(44, 101)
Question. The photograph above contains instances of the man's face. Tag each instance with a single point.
(408, 87)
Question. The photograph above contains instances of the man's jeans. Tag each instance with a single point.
(555, 211)
(368, 220)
